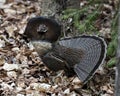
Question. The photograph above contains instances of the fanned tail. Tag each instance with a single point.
(94, 49)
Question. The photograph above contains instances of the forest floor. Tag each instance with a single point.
(22, 72)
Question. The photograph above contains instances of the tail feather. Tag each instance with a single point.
(94, 49)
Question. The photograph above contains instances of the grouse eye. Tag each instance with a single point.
(42, 28)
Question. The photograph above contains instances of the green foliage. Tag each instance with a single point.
(111, 51)
(112, 62)
(85, 25)
(112, 47)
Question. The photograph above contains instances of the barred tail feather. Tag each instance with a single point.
(94, 49)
